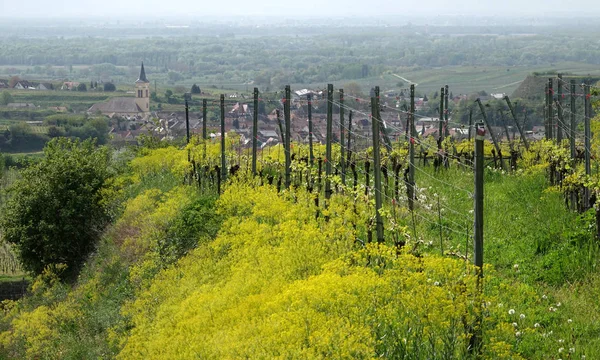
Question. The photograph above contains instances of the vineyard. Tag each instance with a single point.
(362, 247)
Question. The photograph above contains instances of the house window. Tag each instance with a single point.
(146, 92)
(146, 105)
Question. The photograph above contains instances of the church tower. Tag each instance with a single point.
(142, 87)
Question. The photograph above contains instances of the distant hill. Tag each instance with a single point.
(533, 86)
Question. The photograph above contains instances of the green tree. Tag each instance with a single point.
(56, 214)
(81, 87)
(195, 89)
(109, 87)
(6, 98)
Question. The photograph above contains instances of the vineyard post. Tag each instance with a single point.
(446, 94)
(223, 167)
(559, 110)
(545, 108)
(470, 122)
(476, 338)
(410, 189)
(204, 134)
(349, 154)
(441, 122)
(388, 143)
(278, 115)
(588, 168)
(311, 156)
(255, 131)
(572, 126)
(328, 156)
(506, 129)
(187, 123)
(342, 163)
(487, 124)
(288, 137)
(573, 121)
(550, 111)
(514, 116)
(377, 168)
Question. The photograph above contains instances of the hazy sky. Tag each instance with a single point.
(161, 8)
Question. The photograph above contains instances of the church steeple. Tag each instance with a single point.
(142, 77)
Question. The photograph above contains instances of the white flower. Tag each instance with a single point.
(571, 350)
(570, 321)
(500, 305)
(471, 211)
(536, 325)
(552, 309)
(522, 316)
(560, 341)
(518, 333)
(516, 266)
(561, 350)
(558, 305)
(544, 297)
(582, 357)
(437, 283)
(511, 312)
(515, 325)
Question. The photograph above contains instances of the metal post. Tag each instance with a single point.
(478, 227)
(470, 123)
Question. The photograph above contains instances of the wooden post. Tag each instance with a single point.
(223, 165)
(187, 123)
(349, 154)
(278, 115)
(411, 166)
(204, 134)
(550, 110)
(505, 129)
(446, 95)
(342, 157)
(288, 137)
(377, 168)
(476, 338)
(441, 122)
(587, 144)
(487, 124)
(328, 156)
(311, 156)
(559, 110)
(573, 124)
(255, 132)
(382, 128)
(478, 195)
(470, 122)
(514, 116)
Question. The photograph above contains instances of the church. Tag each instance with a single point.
(128, 106)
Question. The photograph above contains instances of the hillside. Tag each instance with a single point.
(253, 273)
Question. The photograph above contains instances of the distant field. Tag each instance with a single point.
(465, 79)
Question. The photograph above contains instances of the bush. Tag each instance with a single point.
(55, 213)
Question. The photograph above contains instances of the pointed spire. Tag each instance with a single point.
(142, 77)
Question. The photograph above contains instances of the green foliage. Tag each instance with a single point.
(195, 89)
(82, 87)
(6, 98)
(55, 214)
(109, 87)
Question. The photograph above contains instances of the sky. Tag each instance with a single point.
(297, 8)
